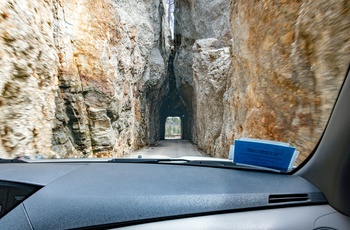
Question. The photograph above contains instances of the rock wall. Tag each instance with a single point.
(211, 65)
(28, 77)
(76, 75)
(289, 60)
(198, 20)
(88, 78)
(287, 63)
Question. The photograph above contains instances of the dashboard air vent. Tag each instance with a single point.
(283, 198)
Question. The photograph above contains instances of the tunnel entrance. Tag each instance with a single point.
(170, 100)
(175, 103)
(174, 98)
(173, 128)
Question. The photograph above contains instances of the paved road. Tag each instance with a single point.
(168, 148)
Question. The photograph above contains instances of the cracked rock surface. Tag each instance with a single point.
(275, 75)
(84, 78)
(74, 75)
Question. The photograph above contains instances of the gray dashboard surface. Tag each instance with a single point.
(35, 173)
(304, 217)
(16, 219)
(112, 193)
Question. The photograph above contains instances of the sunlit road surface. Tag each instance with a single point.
(168, 149)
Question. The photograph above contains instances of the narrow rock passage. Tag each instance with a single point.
(168, 148)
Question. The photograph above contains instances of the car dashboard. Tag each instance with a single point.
(115, 195)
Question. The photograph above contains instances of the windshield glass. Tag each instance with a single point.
(167, 78)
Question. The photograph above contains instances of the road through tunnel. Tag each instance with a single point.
(170, 101)
(175, 104)
(174, 98)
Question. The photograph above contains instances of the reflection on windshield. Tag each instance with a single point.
(87, 79)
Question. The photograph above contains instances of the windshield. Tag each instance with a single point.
(167, 78)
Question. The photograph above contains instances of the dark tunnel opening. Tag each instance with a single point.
(174, 98)
(171, 100)
(174, 105)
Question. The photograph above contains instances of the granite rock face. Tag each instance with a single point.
(198, 20)
(74, 75)
(28, 78)
(107, 66)
(210, 73)
(287, 62)
(88, 78)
